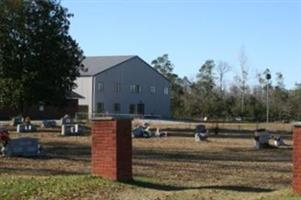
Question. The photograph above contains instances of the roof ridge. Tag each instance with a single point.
(111, 56)
(97, 64)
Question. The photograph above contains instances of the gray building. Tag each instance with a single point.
(122, 85)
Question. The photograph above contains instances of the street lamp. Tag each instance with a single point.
(268, 77)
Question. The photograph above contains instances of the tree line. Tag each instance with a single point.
(39, 62)
(208, 97)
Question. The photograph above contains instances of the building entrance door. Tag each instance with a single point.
(140, 109)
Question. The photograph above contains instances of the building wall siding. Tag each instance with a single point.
(134, 71)
(84, 88)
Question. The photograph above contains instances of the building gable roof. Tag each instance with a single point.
(99, 64)
(96, 64)
(74, 95)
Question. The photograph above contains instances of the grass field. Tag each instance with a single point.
(164, 169)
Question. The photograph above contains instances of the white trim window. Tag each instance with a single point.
(100, 107)
(153, 89)
(135, 88)
(166, 91)
(117, 107)
(117, 87)
(100, 86)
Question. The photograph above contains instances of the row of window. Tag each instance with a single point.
(133, 88)
(133, 108)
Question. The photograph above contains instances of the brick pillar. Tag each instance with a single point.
(112, 148)
(297, 159)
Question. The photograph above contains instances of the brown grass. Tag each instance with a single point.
(226, 126)
(169, 168)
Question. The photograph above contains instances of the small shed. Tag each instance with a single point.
(46, 111)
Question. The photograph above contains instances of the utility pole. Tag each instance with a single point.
(268, 109)
(268, 77)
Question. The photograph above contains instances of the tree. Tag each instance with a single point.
(165, 67)
(222, 69)
(280, 80)
(294, 102)
(233, 101)
(243, 78)
(206, 76)
(39, 60)
(204, 87)
(263, 83)
(280, 99)
(186, 98)
(255, 109)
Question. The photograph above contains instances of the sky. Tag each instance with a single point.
(193, 31)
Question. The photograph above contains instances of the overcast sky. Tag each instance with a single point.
(192, 31)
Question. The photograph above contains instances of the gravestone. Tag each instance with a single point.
(26, 128)
(262, 138)
(160, 134)
(16, 120)
(67, 120)
(201, 133)
(26, 147)
(73, 129)
(48, 124)
(278, 141)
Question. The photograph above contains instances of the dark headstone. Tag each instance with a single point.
(262, 138)
(48, 124)
(73, 129)
(26, 147)
(16, 120)
(26, 128)
(67, 120)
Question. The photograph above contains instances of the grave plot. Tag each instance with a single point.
(25, 147)
(69, 127)
(48, 124)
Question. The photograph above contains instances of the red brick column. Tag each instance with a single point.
(112, 148)
(297, 159)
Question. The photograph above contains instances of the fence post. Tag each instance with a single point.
(112, 148)
(296, 182)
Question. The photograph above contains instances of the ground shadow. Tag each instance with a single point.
(39, 171)
(162, 187)
(67, 151)
(235, 154)
(224, 133)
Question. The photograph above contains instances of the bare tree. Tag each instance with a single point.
(280, 80)
(243, 78)
(222, 69)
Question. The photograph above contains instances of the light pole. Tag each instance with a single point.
(268, 77)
